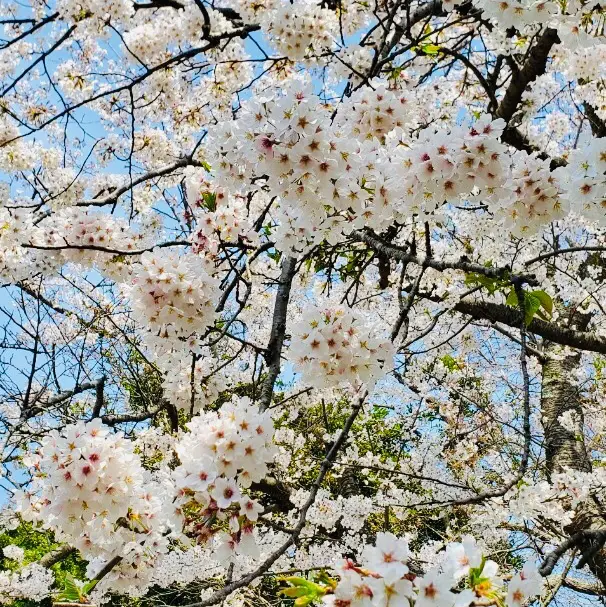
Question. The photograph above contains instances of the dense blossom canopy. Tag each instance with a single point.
(303, 302)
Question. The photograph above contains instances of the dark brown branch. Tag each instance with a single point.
(535, 66)
(99, 397)
(563, 252)
(577, 540)
(49, 559)
(401, 254)
(83, 387)
(112, 420)
(278, 329)
(493, 312)
(598, 126)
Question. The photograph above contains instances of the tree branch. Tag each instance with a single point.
(493, 312)
(278, 329)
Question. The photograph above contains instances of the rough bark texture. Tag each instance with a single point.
(559, 394)
(348, 484)
(534, 67)
(565, 449)
(278, 330)
(566, 336)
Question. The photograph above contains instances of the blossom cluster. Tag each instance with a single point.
(33, 583)
(92, 492)
(516, 13)
(221, 455)
(584, 180)
(79, 235)
(301, 29)
(375, 112)
(335, 346)
(320, 173)
(173, 295)
(15, 227)
(13, 552)
(384, 578)
(364, 169)
(190, 384)
(447, 166)
(536, 196)
(219, 216)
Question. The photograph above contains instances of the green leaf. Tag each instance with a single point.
(531, 307)
(490, 283)
(430, 49)
(209, 201)
(275, 255)
(304, 591)
(542, 315)
(294, 591)
(451, 363)
(89, 586)
(546, 301)
(71, 592)
(533, 302)
(295, 580)
(512, 299)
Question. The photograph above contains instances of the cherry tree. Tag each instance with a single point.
(303, 302)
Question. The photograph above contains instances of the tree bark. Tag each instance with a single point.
(565, 449)
(559, 394)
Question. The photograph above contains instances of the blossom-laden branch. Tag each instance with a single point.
(197, 206)
(298, 529)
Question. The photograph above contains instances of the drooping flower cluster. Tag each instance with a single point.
(222, 454)
(584, 180)
(13, 552)
(443, 166)
(375, 112)
(535, 195)
(360, 170)
(93, 493)
(321, 174)
(15, 227)
(586, 63)
(383, 577)
(190, 385)
(173, 295)
(288, 140)
(90, 238)
(301, 29)
(354, 62)
(33, 583)
(516, 13)
(116, 10)
(219, 216)
(335, 346)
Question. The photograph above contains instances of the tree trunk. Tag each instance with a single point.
(559, 394)
(565, 449)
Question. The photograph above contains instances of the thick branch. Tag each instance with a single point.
(49, 559)
(581, 340)
(577, 540)
(112, 420)
(99, 397)
(395, 252)
(83, 387)
(598, 126)
(278, 329)
(535, 66)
